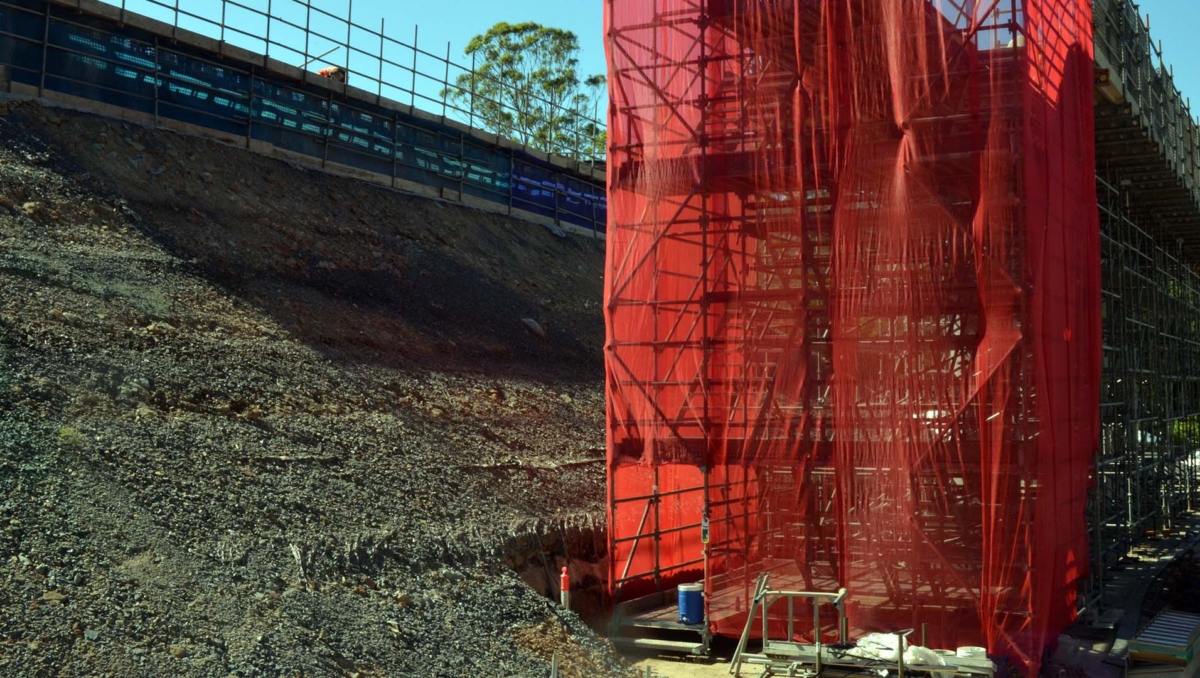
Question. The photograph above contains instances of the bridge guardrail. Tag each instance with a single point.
(134, 63)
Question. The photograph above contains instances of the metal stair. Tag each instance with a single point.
(651, 623)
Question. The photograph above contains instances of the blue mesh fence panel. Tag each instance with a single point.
(21, 34)
(486, 172)
(35, 6)
(343, 155)
(291, 119)
(368, 124)
(415, 175)
(82, 62)
(424, 153)
(534, 189)
(361, 139)
(577, 202)
(213, 108)
(203, 93)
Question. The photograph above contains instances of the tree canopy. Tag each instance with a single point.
(526, 86)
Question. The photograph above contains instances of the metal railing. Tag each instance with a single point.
(1124, 44)
(866, 655)
(301, 34)
(761, 604)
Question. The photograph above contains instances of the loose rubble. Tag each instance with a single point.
(257, 421)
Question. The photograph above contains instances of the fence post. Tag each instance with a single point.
(46, 51)
(250, 112)
(524, 133)
(413, 91)
(395, 145)
(592, 144)
(462, 164)
(223, 3)
(349, 26)
(267, 52)
(595, 216)
(474, 82)
(157, 79)
(329, 131)
(446, 81)
(379, 95)
(307, 30)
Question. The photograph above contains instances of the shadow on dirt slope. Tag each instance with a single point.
(358, 272)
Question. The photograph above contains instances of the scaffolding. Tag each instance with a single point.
(1148, 464)
(1136, 83)
(834, 365)
(1148, 190)
(744, 238)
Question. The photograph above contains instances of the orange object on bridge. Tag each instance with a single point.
(333, 72)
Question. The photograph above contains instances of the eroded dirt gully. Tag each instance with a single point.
(258, 421)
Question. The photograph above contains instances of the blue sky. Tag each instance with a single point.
(458, 20)
(1175, 22)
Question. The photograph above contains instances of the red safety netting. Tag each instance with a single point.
(853, 308)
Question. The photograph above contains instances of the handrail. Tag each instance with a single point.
(763, 597)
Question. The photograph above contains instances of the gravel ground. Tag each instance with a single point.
(257, 421)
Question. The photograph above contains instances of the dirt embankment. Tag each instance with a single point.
(257, 421)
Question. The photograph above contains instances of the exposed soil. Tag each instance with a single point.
(258, 421)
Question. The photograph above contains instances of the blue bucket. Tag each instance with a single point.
(691, 603)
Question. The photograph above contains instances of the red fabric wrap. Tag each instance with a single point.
(853, 297)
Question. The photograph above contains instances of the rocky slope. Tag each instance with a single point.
(257, 421)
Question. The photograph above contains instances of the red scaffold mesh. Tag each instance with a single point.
(853, 309)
